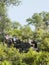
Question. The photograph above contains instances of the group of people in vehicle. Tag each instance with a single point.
(22, 46)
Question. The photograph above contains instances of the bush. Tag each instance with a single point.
(12, 56)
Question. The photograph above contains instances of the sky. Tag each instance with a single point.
(26, 9)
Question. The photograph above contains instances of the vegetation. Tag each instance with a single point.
(41, 33)
(12, 56)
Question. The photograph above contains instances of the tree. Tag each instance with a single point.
(41, 33)
(16, 25)
(27, 33)
(8, 2)
(40, 20)
(4, 21)
(3, 15)
(44, 46)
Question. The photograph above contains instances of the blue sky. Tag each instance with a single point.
(27, 9)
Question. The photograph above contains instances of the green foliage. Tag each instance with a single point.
(9, 2)
(6, 63)
(12, 56)
(41, 33)
(16, 25)
(5, 23)
(26, 33)
(40, 20)
(44, 46)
